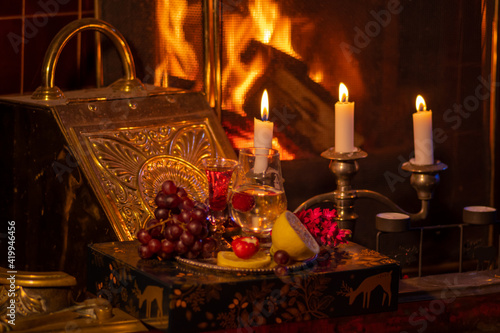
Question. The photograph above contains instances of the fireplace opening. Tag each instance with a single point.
(386, 51)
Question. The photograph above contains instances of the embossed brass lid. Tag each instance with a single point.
(128, 141)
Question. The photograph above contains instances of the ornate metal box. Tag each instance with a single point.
(82, 167)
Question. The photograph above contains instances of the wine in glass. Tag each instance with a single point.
(219, 171)
(258, 197)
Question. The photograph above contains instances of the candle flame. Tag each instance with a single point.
(420, 103)
(343, 93)
(264, 106)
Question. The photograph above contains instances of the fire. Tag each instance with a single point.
(264, 106)
(420, 103)
(178, 57)
(343, 93)
(265, 24)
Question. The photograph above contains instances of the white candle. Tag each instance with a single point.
(422, 134)
(344, 122)
(263, 134)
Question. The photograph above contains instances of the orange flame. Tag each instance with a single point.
(420, 103)
(343, 93)
(264, 106)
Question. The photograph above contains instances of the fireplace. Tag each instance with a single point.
(386, 51)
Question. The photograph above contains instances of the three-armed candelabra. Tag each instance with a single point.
(344, 166)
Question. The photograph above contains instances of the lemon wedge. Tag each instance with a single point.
(290, 235)
(229, 259)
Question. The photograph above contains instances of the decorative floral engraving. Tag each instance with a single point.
(121, 161)
(150, 141)
(192, 144)
(131, 164)
(160, 168)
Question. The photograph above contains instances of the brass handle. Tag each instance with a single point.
(48, 91)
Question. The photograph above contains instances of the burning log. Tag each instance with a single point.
(300, 108)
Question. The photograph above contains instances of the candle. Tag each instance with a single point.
(422, 134)
(263, 129)
(344, 122)
(263, 134)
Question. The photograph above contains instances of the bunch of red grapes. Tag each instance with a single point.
(179, 227)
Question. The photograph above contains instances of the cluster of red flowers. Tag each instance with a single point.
(322, 225)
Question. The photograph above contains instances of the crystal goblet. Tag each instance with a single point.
(219, 171)
(258, 196)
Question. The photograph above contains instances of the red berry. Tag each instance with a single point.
(242, 202)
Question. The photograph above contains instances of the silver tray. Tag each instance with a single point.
(211, 264)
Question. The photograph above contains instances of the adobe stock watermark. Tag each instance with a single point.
(420, 319)
(281, 118)
(372, 29)
(49, 8)
(453, 116)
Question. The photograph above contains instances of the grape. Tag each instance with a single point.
(281, 257)
(186, 204)
(165, 256)
(204, 232)
(281, 270)
(144, 251)
(154, 227)
(172, 201)
(161, 213)
(179, 227)
(192, 254)
(161, 200)
(187, 238)
(180, 247)
(167, 246)
(198, 214)
(181, 192)
(143, 236)
(197, 246)
(154, 245)
(185, 216)
(209, 245)
(195, 227)
(168, 187)
(173, 232)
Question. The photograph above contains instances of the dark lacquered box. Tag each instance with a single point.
(176, 297)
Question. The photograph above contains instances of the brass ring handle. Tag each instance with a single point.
(48, 91)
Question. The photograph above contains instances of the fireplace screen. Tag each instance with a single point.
(385, 51)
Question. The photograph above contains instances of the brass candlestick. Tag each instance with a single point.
(344, 166)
